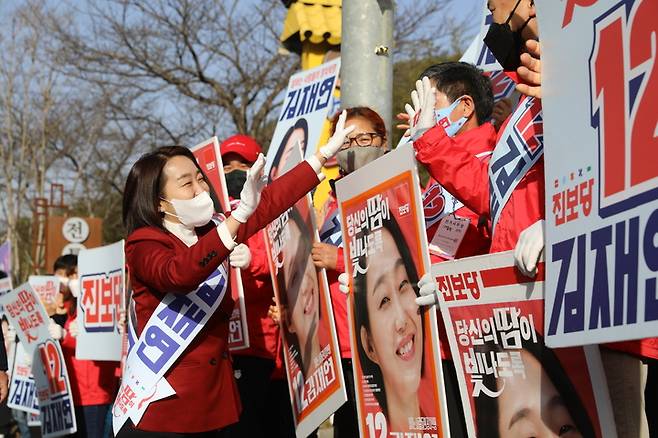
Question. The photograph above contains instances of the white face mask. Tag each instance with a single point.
(63, 281)
(74, 287)
(195, 212)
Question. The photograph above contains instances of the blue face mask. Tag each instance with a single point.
(442, 118)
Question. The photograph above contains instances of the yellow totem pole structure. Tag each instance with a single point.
(312, 29)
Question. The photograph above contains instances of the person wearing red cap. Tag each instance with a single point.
(239, 152)
(252, 367)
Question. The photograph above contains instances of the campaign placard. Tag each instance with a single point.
(601, 176)
(46, 286)
(100, 305)
(56, 410)
(396, 361)
(22, 387)
(27, 315)
(305, 108)
(209, 157)
(509, 379)
(308, 329)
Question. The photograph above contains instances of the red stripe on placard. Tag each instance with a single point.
(509, 275)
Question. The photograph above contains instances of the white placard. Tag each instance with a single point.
(599, 104)
(100, 304)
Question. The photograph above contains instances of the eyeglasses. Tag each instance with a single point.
(363, 139)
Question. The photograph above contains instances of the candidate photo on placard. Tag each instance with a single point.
(389, 328)
(295, 135)
(298, 285)
(519, 410)
(511, 383)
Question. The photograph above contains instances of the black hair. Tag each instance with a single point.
(299, 124)
(67, 262)
(303, 251)
(486, 408)
(144, 185)
(362, 319)
(456, 79)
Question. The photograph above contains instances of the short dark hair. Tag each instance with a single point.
(144, 185)
(361, 317)
(299, 124)
(486, 408)
(67, 262)
(456, 79)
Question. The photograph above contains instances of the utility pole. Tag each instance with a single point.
(366, 56)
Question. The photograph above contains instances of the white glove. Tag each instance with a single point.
(343, 283)
(529, 248)
(240, 257)
(250, 194)
(421, 114)
(56, 331)
(429, 291)
(336, 141)
(73, 328)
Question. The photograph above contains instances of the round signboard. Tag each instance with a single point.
(75, 229)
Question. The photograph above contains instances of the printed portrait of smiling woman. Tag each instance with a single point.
(299, 294)
(543, 403)
(389, 327)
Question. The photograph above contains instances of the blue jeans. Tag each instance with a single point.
(21, 420)
(91, 420)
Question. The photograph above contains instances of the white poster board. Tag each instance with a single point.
(396, 362)
(304, 112)
(308, 329)
(46, 286)
(494, 322)
(100, 304)
(599, 101)
(27, 315)
(22, 387)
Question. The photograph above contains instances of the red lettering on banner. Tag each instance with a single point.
(52, 365)
(571, 5)
(455, 287)
(572, 202)
(644, 142)
(623, 93)
(125, 400)
(46, 291)
(609, 69)
(209, 158)
(101, 300)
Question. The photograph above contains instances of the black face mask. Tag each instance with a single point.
(234, 182)
(504, 43)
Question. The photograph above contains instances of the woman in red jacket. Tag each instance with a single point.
(177, 257)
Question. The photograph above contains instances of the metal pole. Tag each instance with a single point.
(366, 52)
